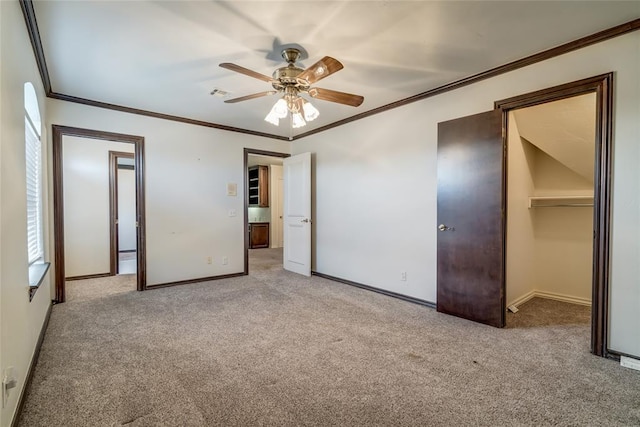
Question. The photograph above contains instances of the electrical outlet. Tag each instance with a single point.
(232, 212)
(225, 260)
(403, 276)
(209, 260)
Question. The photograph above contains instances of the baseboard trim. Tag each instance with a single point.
(615, 355)
(564, 298)
(87, 276)
(524, 298)
(376, 290)
(550, 295)
(32, 367)
(198, 280)
(612, 355)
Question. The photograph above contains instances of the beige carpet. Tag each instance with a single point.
(100, 288)
(274, 348)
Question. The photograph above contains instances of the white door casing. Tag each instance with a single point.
(297, 213)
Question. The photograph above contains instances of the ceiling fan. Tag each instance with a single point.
(293, 81)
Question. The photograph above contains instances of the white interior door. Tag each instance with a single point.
(276, 188)
(280, 211)
(297, 213)
(127, 232)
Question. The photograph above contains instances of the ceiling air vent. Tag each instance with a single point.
(219, 93)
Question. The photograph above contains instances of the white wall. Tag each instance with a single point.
(564, 252)
(126, 210)
(563, 235)
(375, 191)
(552, 178)
(187, 169)
(87, 244)
(2, 61)
(521, 241)
(20, 320)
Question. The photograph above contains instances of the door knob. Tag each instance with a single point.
(443, 227)
(304, 220)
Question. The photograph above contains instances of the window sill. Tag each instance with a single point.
(37, 272)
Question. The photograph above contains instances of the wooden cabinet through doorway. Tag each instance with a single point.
(259, 235)
(259, 186)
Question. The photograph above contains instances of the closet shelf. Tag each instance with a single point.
(560, 201)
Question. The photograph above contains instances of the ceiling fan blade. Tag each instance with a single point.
(335, 96)
(252, 96)
(321, 69)
(246, 72)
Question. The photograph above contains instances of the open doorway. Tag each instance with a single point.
(550, 192)
(575, 212)
(122, 209)
(86, 175)
(264, 200)
(472, 208)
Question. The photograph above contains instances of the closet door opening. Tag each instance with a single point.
(557, 202)
(550, 188)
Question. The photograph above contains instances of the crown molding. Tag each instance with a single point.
(163, 116)
(36, 43)
(502, 69)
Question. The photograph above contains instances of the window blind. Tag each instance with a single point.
(34, 192)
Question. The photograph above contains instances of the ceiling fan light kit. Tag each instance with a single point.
(294, 81)
(301, 110)
(310, 112)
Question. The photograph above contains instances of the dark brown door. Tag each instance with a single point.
(470, 218)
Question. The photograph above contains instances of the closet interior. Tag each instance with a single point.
(550, 173)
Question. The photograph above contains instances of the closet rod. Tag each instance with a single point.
(565, 205)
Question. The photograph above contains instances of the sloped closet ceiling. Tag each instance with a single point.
(565, 130)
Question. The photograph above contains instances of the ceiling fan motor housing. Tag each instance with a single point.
(288, 80)
(287, 77)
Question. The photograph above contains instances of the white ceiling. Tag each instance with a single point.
(253, 160)
(163, 56)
